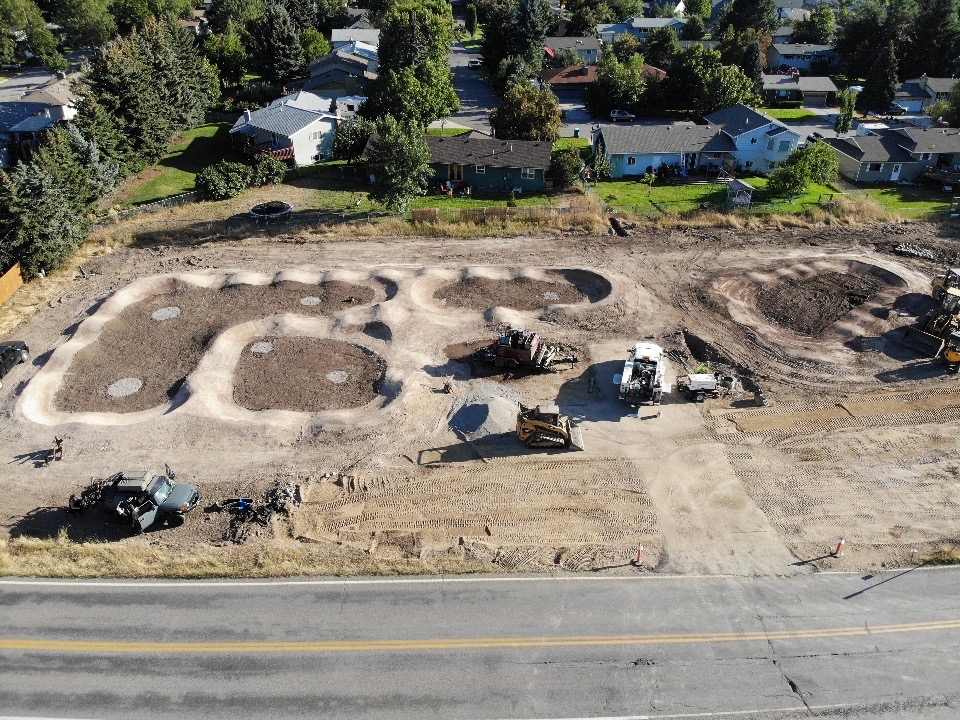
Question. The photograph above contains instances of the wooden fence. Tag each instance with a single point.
(9, 282)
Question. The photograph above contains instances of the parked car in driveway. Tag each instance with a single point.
(896, 109)
(617, 115)
(12, 353)
(474, 63)
(813, 137)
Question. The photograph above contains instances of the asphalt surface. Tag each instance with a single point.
(476, 97)
(883, 646)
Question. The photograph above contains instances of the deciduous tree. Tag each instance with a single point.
(817, 29)
(662, 47)
(847, 101)
(527, 113)
(399, 159)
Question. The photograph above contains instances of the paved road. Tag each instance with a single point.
(476, 97)
(882, 646)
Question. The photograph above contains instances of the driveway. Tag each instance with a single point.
(476, 97)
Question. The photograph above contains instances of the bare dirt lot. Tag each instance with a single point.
(321, 364)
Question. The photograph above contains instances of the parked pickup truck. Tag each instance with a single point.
(144, 497)
(617, 115)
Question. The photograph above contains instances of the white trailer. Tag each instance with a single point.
(643, 378)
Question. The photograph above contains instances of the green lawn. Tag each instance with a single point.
(472, 44)
(565, 143)
(912, 201)
(448, 131)
(188, 154)
(635, 197)
(797, 115)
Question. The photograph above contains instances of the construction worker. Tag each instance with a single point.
(57, 448)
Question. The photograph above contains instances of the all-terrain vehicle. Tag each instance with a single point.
(12, 353)
(144, 497)
(697, 387)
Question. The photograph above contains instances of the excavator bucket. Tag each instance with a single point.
(927, 343)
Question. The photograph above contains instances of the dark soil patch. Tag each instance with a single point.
(810, 305)
(517, 293)
(263, 380)
(163, 353)
(463, 351)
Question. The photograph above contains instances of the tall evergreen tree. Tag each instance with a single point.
(847, 101)
(880, 88)
(759, 15)
(533, 23)
(279, 55)
(752, 66)
(303, 13)
(935, 42)
(470, 19)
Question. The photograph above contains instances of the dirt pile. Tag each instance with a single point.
(490, 410)
(329, 375)
(810, 305)
(518, 293)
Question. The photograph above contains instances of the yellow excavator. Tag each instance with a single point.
(938, 334)
(546, 427)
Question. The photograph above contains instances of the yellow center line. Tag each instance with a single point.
(331, 646)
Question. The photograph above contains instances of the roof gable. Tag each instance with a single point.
(285, 120)
(739, 119)
(664, 139)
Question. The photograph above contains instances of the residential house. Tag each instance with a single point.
(735, 138)
(639, 149)
(802, 56)
(570, 83)
(782, 34)
(639, 27)
(25, 121)
(484, 162)
(588, 47)
(345, 36)
(762, 143)
(811, 90)
(792, 15)
(347, 71)
(705, 44)
(348, 105)
(290, 128)
(900, 155)
(920, 92)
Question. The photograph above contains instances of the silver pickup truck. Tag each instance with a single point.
(144, 496)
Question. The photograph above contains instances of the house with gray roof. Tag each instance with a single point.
(918, 93)
(484, 162)
(588, 47)
(900, 155)
(25, 119)
(735, 138)
(290, 128)
(639, 27)
(811, 90)
(802, 56)
(345, 36)
(347, 71)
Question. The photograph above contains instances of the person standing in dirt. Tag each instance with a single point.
(57, 448)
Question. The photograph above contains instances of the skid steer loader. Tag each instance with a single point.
(545, 427)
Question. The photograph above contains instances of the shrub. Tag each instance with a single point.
(565, 167)
(267, 170)
(224, 180)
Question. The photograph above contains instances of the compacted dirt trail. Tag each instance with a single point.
(324, 365)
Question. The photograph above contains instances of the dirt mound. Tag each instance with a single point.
(163, 353)
(491, 409)
(307, 375)
(518, 293)
(810, 305)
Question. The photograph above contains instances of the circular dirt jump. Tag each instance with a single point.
(805, 307)
(307, 374)
(559, 287)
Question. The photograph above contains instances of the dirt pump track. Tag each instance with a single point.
(347, 402)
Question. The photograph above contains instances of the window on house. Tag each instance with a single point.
(749, 163)
(875, 167)
(770, 144)
(456, 172)
(528, 173)
(631, 160)
(784, 146)
(753, 141)
(318, 135)
(351, 108)
(480, 169)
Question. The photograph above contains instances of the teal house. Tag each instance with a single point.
(479, 161)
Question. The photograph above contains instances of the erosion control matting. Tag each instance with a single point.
(162, 352)
(307, 374)
(810, 305)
